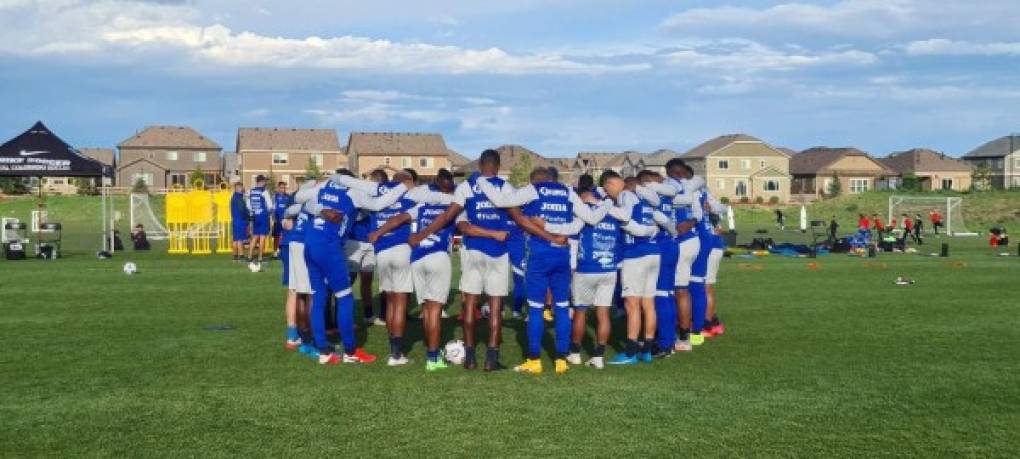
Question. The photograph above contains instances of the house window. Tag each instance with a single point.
(145, 177)
(998, 164)
(198, 157)
(171, 156)
(425, 162)
(741, 188)
(745, 164)
(720, 184)
(386, 160)
(317, 159)
(405, 161)
(1016, 163)
(947, 184)
(761, 163)
(770, 185)
(724, 164)
(178, 179)
(859, 185)
(279, 159)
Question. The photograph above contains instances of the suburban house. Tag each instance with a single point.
(656, 161)
(934, 170)
(165, 156)
(815, 169)
(512, 155)
(595, 164)
(230, 172)
(1002, 158)
(286, 153)
(739, 166)
(68, 185)
(457, 162)
(424, 152)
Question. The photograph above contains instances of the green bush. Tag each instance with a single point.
(724, 200)
(86, 186)
(140, 186)
(13, 185)
(745, 199)
(852, 207)
(774, 200)
(759, 200)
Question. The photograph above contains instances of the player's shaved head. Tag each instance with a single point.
(612, 183)
(646, 176)
(488, 162)
(539, 175)
(675, 168)
(630, 183)
(379, 176)
(444, 181)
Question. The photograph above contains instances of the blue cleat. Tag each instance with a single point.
(645, 356)
(622, 359)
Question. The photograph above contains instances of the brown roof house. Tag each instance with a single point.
(512, 155)
(457, 162)
(164, 156)
(934, 170)
(656, 161)
(739, 166)
(816, 169)
(1002, 159)
(286, 153)
(426, 153)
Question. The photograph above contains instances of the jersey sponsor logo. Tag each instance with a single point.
(606, 226)
(556, 207)
(482, 205)
(329, 197)
(552, 192)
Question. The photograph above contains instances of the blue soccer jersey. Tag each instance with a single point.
(481, 212)
(400, 234)
(441, 240)
(643, 213)
(599, 248)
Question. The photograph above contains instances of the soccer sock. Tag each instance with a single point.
(665, 325)
(318, 319)
(630, 347)
(575, 348)
(536, 328)
(345, 322)
(491, 354)
(699, 302)
(564, 327)
(519, 292)
(292, 333)
(600, 350)
(396, 344)
(685, 334)
(433, 355)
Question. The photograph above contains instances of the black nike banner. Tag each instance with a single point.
(37, 152)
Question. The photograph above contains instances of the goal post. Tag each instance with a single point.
(950, 207)
(141, 212)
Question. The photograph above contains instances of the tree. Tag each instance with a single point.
(13, 185)
(981, 177)
(140, 186)
(835, 187)
(86, 186)
(312, 171)
(910, 182)
(196, 176)
(520, 173)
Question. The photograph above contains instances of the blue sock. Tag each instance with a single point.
(665, 312)
(563, 326)
(292, 333)
(433, 355)
(536, 329)
(345, 322)
(318, 319)
(699, 302)
(520, 296)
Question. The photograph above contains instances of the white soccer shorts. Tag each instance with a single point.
(594, 289)
(297, 275)
(688, 253)
(714, 258)
(481, 273)
(432, 274)
(360, 256)
(639, 276)
(394, 269)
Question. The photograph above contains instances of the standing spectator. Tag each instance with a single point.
(918, 229)
(780, 219)
(908, 228)
(877, 225)
(862, 223)
(936, 220)
(833, 229)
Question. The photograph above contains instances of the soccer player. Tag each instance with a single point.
(687, 212)
(332, 206)
(360, 254)
(239, 220)
(548, 263)
(713, 327)
(665, 303)
(516, 249)
(281, 201)
(260, 204)
(936, 220)
(295, 273)
(699, 270)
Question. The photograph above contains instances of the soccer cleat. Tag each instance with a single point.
(548, 315)
(293, 345)
(574, 358)
(516, 315)
(470, 361)
(645, 356)
(718, 329)
(370, 320)
(707, 333)
(663, 353)
(530, 366)
(444, 315)
(682, 346)
(328, 359)
(437, 365)
(561, 366)
(359, 356)
(622, 359)
(697, 339)
(493, 365)
(394, 361)
(597, 363)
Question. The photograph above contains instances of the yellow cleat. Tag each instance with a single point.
(561, 366)
(548, 315)
(697, 339)
(530, 366)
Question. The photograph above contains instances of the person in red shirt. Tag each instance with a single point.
(876, 222)
(908, 229)
(936, 220)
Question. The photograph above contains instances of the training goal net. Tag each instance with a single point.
(949, 211)
(141, 212)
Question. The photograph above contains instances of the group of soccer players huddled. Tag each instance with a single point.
(650, 243)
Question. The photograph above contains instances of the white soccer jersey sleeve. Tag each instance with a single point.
(268, 199)
(363, 201)
(639, 230)
(665, 222)
(365, 186)
(421, 194)
(648, 195)
(585, 213)
(565, 229)
(507, 196)
(462, 194)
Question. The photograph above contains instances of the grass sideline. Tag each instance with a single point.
(833, 361)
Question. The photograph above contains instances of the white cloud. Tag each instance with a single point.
(112, 27)
(946, 47)
(748, 56)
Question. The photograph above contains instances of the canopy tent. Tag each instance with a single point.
(37, 152)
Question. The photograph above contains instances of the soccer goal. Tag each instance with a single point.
(141, 212)
(950, 208)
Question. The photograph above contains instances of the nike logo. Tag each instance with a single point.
(33, 153)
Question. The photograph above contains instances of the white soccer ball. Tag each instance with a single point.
(255, 267)
(485, 311)
(454, 352)
(130, 268)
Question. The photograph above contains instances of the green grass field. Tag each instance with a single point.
(833, 361)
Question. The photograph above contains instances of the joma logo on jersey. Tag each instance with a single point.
(329, 197)
(554, 207)
(484, 205)
(432, 212)
(552, 192)
(606, 226)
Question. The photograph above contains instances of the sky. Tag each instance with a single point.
(557, 76)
